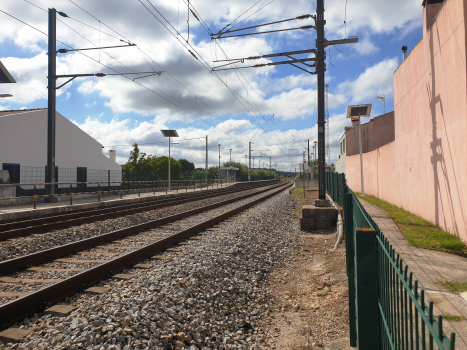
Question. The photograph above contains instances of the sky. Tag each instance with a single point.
(275, 107)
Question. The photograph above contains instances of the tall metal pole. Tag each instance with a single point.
(321, 111)
(169, 163)
(249, 163)
(206, 171)
(51, 108)
(219, 145)
(309, 158)
(361, 158)
(269, 168)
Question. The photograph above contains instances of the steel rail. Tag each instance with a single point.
(40, 225)
(43, 219)
(22, 307)
(16, 264)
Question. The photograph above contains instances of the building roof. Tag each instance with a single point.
(18, 111)
(5, 76)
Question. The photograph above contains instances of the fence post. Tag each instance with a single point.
(139, 188)
(186, 185)
(367, 291)
(154, 187)
(35, 196)
(71, 194)
(121, 190)
(98, 191)
(350, 260)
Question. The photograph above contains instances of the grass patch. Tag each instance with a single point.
(454, 286)
(297, 192)
(455, 318)
(418, 231)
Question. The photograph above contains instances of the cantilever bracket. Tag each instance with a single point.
(65, 83)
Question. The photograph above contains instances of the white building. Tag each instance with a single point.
(340, 163)
(23, 150)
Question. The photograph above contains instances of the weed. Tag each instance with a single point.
(418, 231)
(455, 318)
(454, 286)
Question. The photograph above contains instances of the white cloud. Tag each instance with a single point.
(365, 47)
(373, 81)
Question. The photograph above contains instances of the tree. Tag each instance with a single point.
(161, 165)
(139, 165)
(187, 167)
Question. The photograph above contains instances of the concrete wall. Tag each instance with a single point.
(425, 170)
(341, 164)
(23, 140)
(376, 133)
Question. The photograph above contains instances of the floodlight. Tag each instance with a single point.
(169, 133)
(359, 111)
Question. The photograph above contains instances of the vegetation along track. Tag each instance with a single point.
(142, 241)
(25, 228)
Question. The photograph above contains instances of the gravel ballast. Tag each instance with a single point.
(14, 248)
(213, 294)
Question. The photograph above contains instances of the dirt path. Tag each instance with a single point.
(310, 288)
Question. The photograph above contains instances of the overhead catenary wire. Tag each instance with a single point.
(205, 64)
(272, 113)
(269, 3)
(123, 75)
(228, 25)
(194, 114)
(164, 70)
(232, 91)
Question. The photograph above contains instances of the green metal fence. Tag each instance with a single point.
(387, 309)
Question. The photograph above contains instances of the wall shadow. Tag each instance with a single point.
(438, 161)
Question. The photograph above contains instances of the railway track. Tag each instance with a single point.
(105, 255)
(25, 228)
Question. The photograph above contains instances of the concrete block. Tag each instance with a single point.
(326, 224)
(60, 310)
(143, 266)
(308, 224)
(5, 177)
(122, 276)
(97, 290)
(321, 203)
(7, 191)
(13, 335)
(175, 250)
(311, 211)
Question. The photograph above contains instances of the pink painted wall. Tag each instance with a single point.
(425, 169)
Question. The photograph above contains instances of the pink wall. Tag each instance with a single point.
(425, 169)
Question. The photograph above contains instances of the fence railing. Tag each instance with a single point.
(111, 188)
(387, 309)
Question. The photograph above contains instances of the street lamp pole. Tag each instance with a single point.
(169, 163)
(230, 163)
(249, 162)
(383, 98)
(206, 170)
(219, 145)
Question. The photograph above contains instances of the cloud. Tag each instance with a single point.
(365, 47)
(373, 81)
(31, 78)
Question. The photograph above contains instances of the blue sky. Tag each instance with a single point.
(232, 108)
